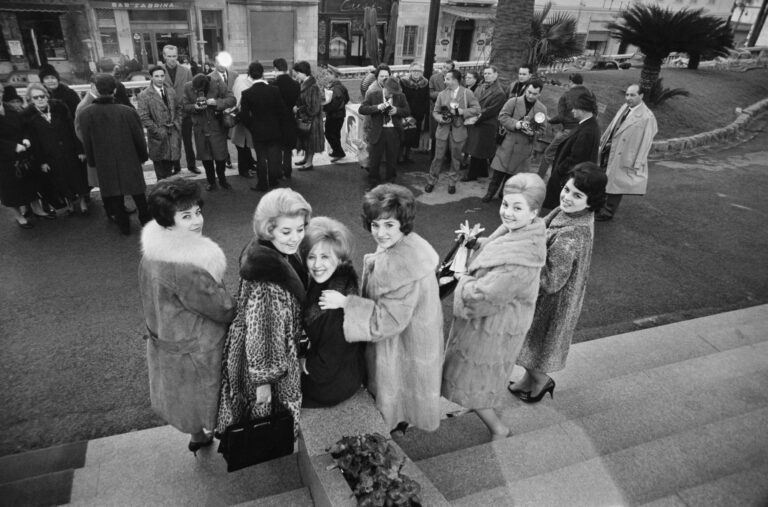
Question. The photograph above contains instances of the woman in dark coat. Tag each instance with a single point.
(16, 185)
(481, 137)
(204, 100)
(261, 349)
(570, 232)
(416, 89)
(333, 370)
(186, 310)
(309, 107)
(59, 155)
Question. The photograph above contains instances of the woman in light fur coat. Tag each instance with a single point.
(186, 310)
(494, 303)
(399, 313)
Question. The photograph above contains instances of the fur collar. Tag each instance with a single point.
(558, 219)
(343, 280)
(523, 247)
(308, 83)
(180, 247)
(411, 259)
(409, 82)
(259, 262)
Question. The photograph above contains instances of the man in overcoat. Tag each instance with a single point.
(453, 106)
(176, 76)
(114, 143)
(581, 145)
(624, 150)
(481, 141)
(289, 91)
(263, 111)
(385, 110)
(223, 73)
(160, 111)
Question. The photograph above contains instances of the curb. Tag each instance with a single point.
(732, 131)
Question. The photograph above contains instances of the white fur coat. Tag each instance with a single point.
(182, 247)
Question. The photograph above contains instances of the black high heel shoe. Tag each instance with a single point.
(196, 446)
(549, 387)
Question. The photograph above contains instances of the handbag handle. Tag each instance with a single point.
(274, 405)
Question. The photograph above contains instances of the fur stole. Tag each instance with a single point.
(411, 259)
(343, 280)
(259, 262)
(523, 247)
(408, 82)
(182, 247)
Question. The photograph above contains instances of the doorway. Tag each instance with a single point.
(462, 40)
(148, 45)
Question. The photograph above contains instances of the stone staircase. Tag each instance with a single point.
(675, 415)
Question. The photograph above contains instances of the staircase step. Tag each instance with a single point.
(747, 488)
(295, 498)
(644, 473)
(46, 489)
(15, 467)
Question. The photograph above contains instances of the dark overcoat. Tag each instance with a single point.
(14, 191)
(370, 109)
(263, 111)
(114, 143)
(310, 105)
(289, 90)
(68, 96)
(163, 123)
(55, 143)
(210, 135)
(481, 142)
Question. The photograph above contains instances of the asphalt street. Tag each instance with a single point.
(73, 359)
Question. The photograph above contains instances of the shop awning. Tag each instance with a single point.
(474, 12)
(26, 7)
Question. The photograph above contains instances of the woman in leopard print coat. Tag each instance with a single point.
(260, 352)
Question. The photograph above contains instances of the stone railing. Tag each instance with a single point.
(360, 72)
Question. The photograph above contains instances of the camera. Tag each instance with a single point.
(201, 102)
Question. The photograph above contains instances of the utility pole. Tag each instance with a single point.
(757, 26)
(429, 55)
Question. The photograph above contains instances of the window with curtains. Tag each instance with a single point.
(410, 34)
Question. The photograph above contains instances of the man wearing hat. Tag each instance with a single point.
(565, 119)
(49, 76)
(581, 145)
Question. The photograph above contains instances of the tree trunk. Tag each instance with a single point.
(693, 60)
(650, 73)
(510, 37)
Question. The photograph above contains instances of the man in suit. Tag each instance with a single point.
(385, 110)
(263, 111)
(565, 119)
(581, 145)
(289, 91)
(481, 143)
(224, 74)
(160, 113)
(453, 105)
(176, 76)
(624, 150)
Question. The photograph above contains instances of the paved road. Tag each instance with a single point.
(73, 364)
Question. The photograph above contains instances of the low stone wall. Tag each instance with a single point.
(731, 132)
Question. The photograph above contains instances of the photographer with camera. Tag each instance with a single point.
(204, 100)
(453, 106)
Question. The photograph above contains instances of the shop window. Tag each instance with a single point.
(42, 37)
(338, 45)
(410, 37)
(109, 44)
(213, 33)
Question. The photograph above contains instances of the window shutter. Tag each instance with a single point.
(399, 39)
(420, 42)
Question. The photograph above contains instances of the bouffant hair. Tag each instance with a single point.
(303, 67)
(331, 232)
(170, 196)
(281, 202)
(530, 185)
(590, 179)
(389, 201)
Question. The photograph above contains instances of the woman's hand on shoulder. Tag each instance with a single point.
(263, 394)
(331, 300)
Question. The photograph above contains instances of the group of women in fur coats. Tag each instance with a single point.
(214, 360)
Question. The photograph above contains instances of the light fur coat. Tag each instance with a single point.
(187, 311)
(401, 316)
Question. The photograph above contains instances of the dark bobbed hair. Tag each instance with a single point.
(455, 73)
(576, 78)
(590, 179)
(303, 67)
(155, 68)
(389, 201)
(255, 70)
(170, 196)
(280, 64)
(535, 83)
(105, 84)
(382, 66)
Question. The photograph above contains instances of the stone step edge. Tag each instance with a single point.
(744, 468)
(299, 497)
(15, 467)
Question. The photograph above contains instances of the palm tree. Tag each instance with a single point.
(552, 39)
(711, 37)
(656, 31)
(510, 36)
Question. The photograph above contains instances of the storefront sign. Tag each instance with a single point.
(382, 6)
(14, 47)
(480, 42)
(147, 6)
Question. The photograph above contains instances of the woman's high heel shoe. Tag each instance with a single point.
(549, 387)
(196, 446)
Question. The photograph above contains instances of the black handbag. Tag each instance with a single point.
(444, 269)
(256, 441)
(304, 125)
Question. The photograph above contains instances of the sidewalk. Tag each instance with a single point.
(667, 416)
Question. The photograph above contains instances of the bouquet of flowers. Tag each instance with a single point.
(457, 259)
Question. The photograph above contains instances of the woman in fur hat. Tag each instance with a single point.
(261, 350)
(494, 303)
(186, 309)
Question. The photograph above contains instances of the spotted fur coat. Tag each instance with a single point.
(262, 344)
